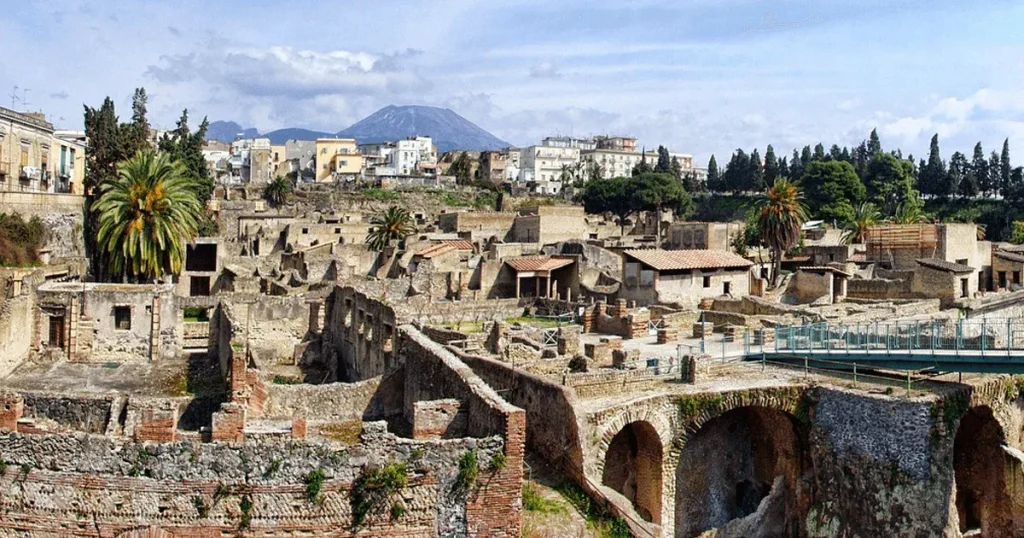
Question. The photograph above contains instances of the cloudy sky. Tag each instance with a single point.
(701, 76)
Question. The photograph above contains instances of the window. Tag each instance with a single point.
(725, 287)
(707, 282)
(305, 230)
(201, 257)
(199, 286)
(123, 318)
(57, 331)
(963, 287)
(24, 156)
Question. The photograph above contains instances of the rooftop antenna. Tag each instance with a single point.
(14, 96)
(24, 98)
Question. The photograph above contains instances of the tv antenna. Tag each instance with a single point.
(14, 96)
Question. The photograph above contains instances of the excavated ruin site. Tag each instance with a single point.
(291, 382)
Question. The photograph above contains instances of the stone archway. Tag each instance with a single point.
(632, 467)
(982, 502)
(741, 471)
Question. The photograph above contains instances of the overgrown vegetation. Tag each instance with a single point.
(275, 465)
(498, 461)
(469, 470)
(533, 501)
(374, 487)
(20, 240)
(285, 380)
(603, 524)
(246, 506)
(196, 314)
(314, 483)
(381, 195)
(693, 406)
(202, 509)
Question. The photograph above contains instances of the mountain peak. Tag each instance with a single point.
(448, 130)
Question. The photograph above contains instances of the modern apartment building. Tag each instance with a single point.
(337, 159)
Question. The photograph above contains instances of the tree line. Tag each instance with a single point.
(836, 181)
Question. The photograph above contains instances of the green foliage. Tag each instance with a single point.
(623, 196)
(186, 149)
(781, 217)
(246, 505)
(394, 224)
(397, 510)
(202, 509)
(222, 491)
(284, 380)
(314, 482)
(374, 486)
(146, 217)
(691, 407)
(890, 183)
(195, 314)
(469, 470)
(533, 501)
(26, 468)
(276, 192)
(462, 169)
(954, 407)
(3, 467)
(275, 465)
(833, 189)
(864, 216)
(498, 461)
(1017, 233)
(20, 240)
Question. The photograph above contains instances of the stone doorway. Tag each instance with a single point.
(741, 471)
(632, 467)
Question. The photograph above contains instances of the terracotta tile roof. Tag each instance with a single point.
(1010, 255)
(858, 257)
(435, 250)
(538, 263)
(444, 247)
(943, 265)
(679, 260)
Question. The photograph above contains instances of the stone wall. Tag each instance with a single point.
(434, 373)
(16, 322)
(372, 399)
(80, 413)
(270, 326)
(62, 214)
(184, 489)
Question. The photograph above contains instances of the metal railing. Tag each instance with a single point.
(977, 337)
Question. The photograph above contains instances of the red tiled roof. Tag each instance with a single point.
(538, 263)
(435, 250)
(444, 247)
(679, 260)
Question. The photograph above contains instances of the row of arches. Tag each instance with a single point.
(745, 467)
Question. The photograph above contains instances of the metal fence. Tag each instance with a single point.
(975, 336)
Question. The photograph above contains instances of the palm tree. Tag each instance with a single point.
(781, 216)
(394, 224)
(277, 191)
(146, 216)
(865, 216)
(908, 214)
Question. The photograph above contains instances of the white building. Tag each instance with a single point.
(413, 155)
(582, 144)
(513, 161)
(545, 163)
(612, 163)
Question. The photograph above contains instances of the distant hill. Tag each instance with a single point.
(228, 131)
(449, 130)
(281, 136)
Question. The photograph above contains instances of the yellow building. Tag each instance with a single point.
(278, 160)
(337, 159)
(32, 159)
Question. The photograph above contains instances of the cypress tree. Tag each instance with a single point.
(819, 152)
(714, 179)
(783, 168)
(995, 172)
(664, 165)
(755, 180)
(771, 166)
(874, 146)
(1004, 168)
(796, 166)
(979, 168)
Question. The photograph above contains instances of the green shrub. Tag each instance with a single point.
(201, 508)
(275, 465)
(397, 511)
(314, 482)
(374, 486)
(498, 461)
(469, 469)
(20, 241)
(381, 195)
(284, 380)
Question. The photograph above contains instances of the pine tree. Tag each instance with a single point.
(932, 177)
(186, 148)
(735, 177)
(979, 169)
(805, 158)
(771, 166)
(845, 155)
(137, 134)
(861, 159)
(874, 146)
(819, 152)
(796, 166)
(756, 177)
(714, 178)
(783, 169)
(676, 169)
(957, 174)
(835, 153)
(664, 165)
(1004, 168)
(995, 172)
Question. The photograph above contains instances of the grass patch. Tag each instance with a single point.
(346, 432)
(534, 502)
(603, 524)
(285, 380)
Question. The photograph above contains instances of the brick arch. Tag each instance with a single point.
(786, 400)
(633, 467)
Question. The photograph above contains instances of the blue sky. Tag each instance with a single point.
(701, 76)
